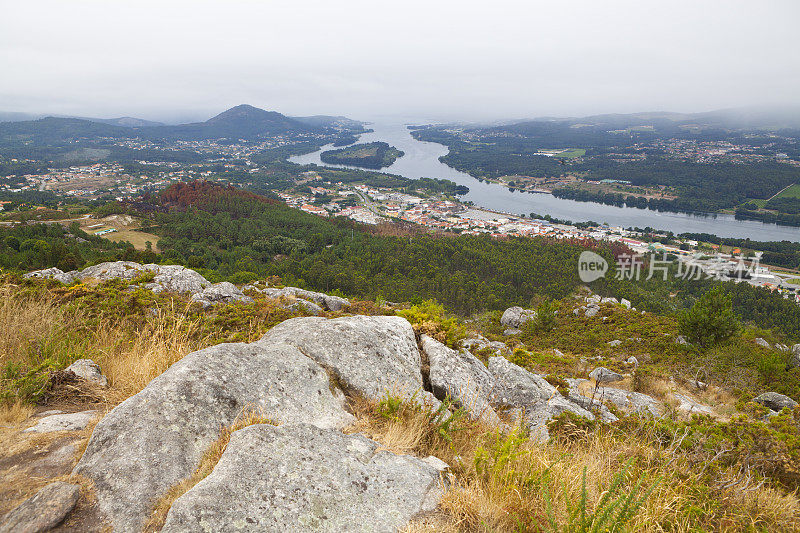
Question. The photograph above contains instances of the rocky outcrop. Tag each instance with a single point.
(63, 422)
(224, 292)
(43, 511)
(461, 376)
(516, 387)
(304, 306)
(689, 405)
(629, 401)
(318, 480)
(794, 358)
(761, 342)
(482, 343)
(370, 355)
(52, 273)
(775, 401)
(182, 280)
(175, 278)
(515, 317)
(157, 437)
(326, 301)
(170, 278)
(535, 400)
(89, 371)
(604, 375)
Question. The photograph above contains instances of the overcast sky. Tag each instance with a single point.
(434, 59)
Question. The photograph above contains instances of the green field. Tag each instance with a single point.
(569, 154)
(790, 192)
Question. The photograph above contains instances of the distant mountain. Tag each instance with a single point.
(734, 118)
(56, 131)
(127, 122)
(240, 122)
(12, 116)
(328, 121)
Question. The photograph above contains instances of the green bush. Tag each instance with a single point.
(710, 320)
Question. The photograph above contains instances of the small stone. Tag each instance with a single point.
(625, 303)
(761, 342)
(614, 343)
(512, 331)
(632, 361)
(42, 511)
(63, 422)
(680, 339)
(89, 371)
(604, 375)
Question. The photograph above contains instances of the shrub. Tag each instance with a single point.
(430, 318)
(710, 320)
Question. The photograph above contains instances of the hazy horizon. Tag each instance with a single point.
(439, 61)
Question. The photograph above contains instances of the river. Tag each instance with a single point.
(421, 159)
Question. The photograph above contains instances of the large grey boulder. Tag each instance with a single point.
(224, 292)
(775, 401)
(460, 375)
(516, 387)
(62, 422)
(304, 306)
(689, 405)
(592, 402)
(176, 278)
(43, 511)
(536, 400)
(127, 270)
(481, 343)
(604, 375)
(156, 438)
(306, 479)
(371, 355)
(515, 317)
(53, 273)
(89, 371)
(331, 303)
(629, 401)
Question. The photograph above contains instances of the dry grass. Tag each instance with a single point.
(508, 483)
(30, 322)
(14, 414)
(210, 458)
(131, 362)
(131, 351)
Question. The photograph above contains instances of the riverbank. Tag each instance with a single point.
(421, 159)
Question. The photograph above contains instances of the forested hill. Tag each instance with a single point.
(241, 237)
(240, 122)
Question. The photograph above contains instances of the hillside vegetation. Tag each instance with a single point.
(724, 463)
(373, 155)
